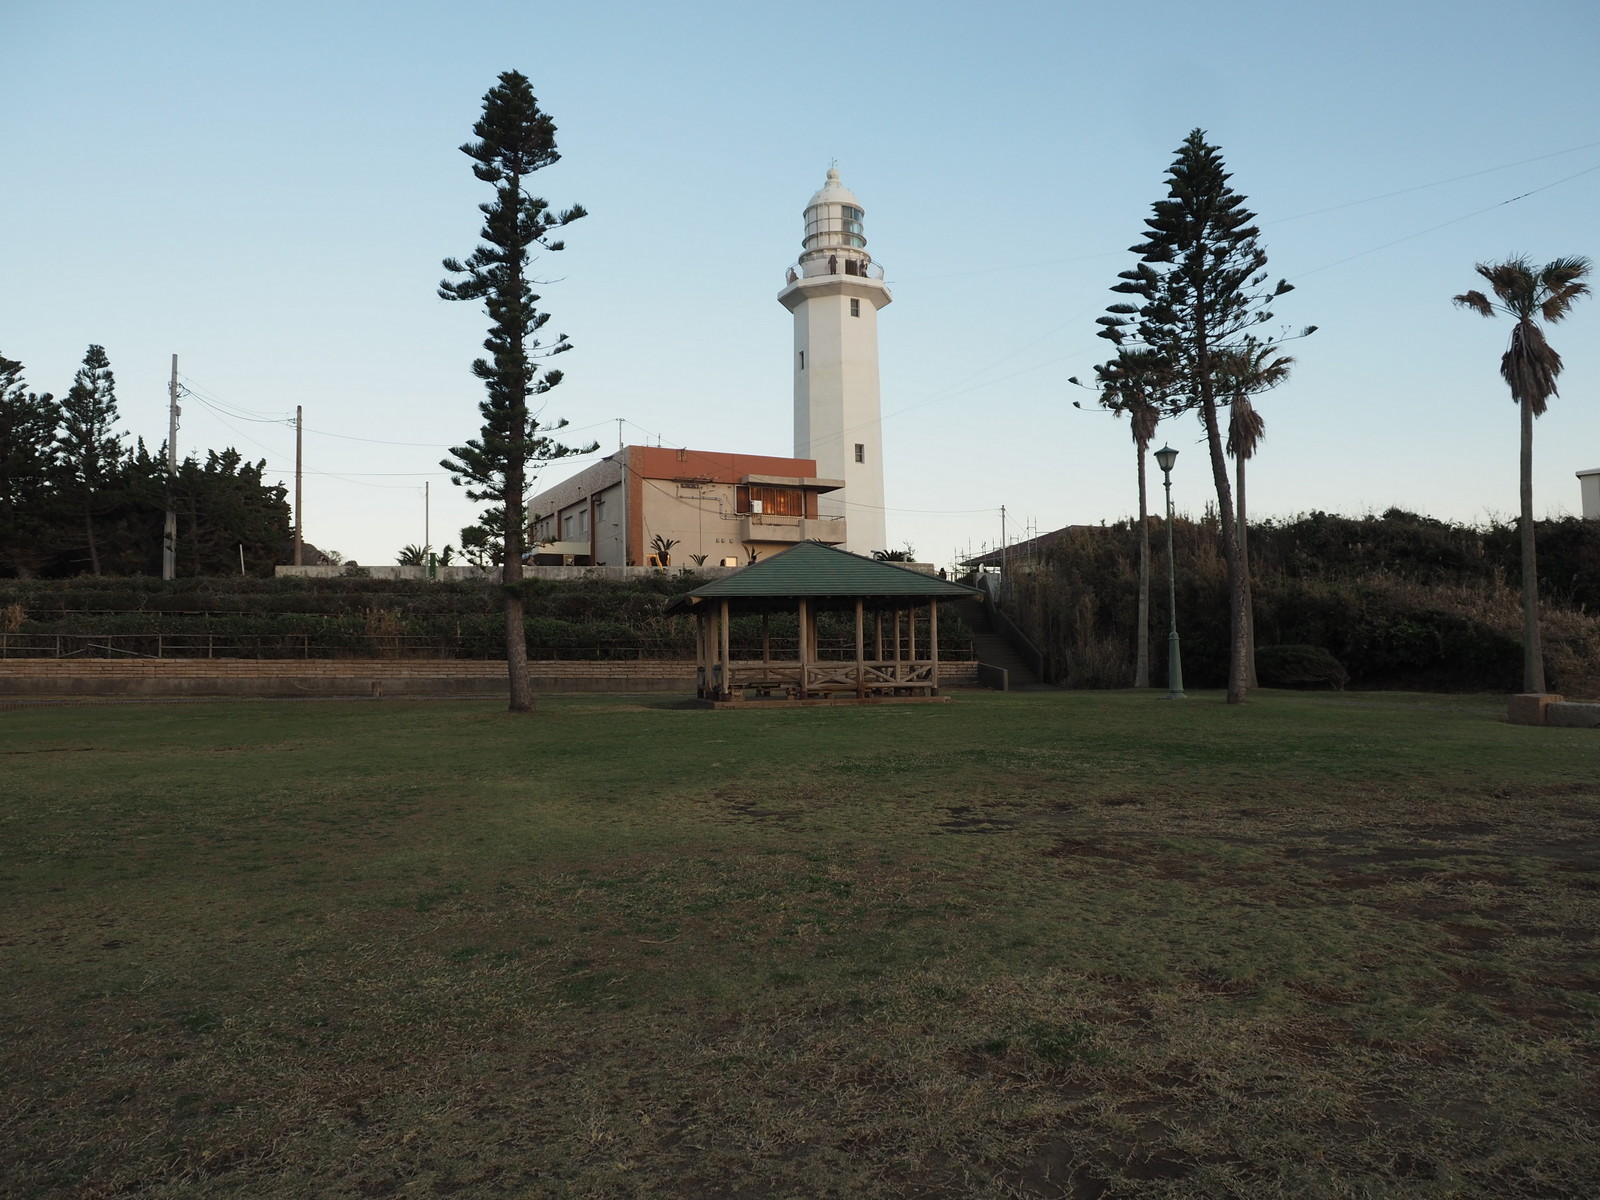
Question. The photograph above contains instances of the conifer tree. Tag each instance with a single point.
(1201, 288)
(90, 445)
(515, 139)
(30, 467)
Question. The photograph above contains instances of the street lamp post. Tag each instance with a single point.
(1165, 457)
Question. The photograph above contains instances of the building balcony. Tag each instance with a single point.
(764, 527)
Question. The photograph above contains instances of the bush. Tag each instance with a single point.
(1396, 601)
(1294, 666)
(357, 616)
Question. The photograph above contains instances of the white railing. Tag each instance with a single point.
(816, 267)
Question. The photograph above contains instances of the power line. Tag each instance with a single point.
(1453, 221)
(1421, 187)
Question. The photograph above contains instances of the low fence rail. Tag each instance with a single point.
(132, 646)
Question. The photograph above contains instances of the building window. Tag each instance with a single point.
(777, 501)
(802, 360)
(850, 226)
(566, 528)
(855, 307)
(861, 453)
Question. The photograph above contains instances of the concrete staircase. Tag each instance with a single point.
(992, 649)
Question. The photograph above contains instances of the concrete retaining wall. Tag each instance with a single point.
(1573, 715)
(391, 571)
(20, 677)
(1552, 708)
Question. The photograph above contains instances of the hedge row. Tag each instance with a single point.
(1400, 601)
(355, 616)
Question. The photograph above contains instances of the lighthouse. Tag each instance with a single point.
(835, 291)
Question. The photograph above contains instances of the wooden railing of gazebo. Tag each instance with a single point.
(899, 672)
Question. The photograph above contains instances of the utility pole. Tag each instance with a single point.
(427, 533)
(619, 433)
(169, 535)
(299, 438)
(1004, 553)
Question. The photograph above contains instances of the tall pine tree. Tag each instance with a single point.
(30, 473)
(1201, 286)
(90, 445)
(515, 139)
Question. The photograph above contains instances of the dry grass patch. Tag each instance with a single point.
(1052, 946)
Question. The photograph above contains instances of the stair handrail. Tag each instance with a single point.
(1007, 628)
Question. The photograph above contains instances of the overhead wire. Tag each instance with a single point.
(1052, 262)
(1453, 221)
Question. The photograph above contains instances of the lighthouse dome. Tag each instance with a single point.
(834, 192)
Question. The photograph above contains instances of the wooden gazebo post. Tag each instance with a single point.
(861, 652)
(727, 657)
(911, 633)
(805, 646)
(700, 653)
(933, 641)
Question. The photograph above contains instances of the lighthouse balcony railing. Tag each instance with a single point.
(813, 267)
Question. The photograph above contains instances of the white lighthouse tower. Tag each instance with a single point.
(835, 292)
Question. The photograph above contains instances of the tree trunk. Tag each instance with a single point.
(1141, 662)
(1237, 600)
(1250, 680)
(1532, 653)
(516, 513)
(88, 527)
(521, 684)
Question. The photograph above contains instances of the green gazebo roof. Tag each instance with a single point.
(813, 570)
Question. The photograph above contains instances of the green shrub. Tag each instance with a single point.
(1397, 600)
(1295, 666)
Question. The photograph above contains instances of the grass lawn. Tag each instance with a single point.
(1051, 944)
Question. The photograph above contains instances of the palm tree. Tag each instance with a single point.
(1131, 383)
(1253, 369)
(1529, 366)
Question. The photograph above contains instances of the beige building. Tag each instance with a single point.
(724, 507)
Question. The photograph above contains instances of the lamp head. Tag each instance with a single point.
(1165, 457)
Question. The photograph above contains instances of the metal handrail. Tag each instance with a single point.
(796, 271)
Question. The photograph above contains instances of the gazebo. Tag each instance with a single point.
(808, 580)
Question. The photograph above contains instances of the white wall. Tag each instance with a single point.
(836, 398)
(1589, 490)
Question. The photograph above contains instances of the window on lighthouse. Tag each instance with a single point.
(855, 307)
(850, 226)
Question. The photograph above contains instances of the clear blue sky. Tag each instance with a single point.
(266, 189)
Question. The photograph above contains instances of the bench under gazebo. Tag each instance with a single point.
(896, 613)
